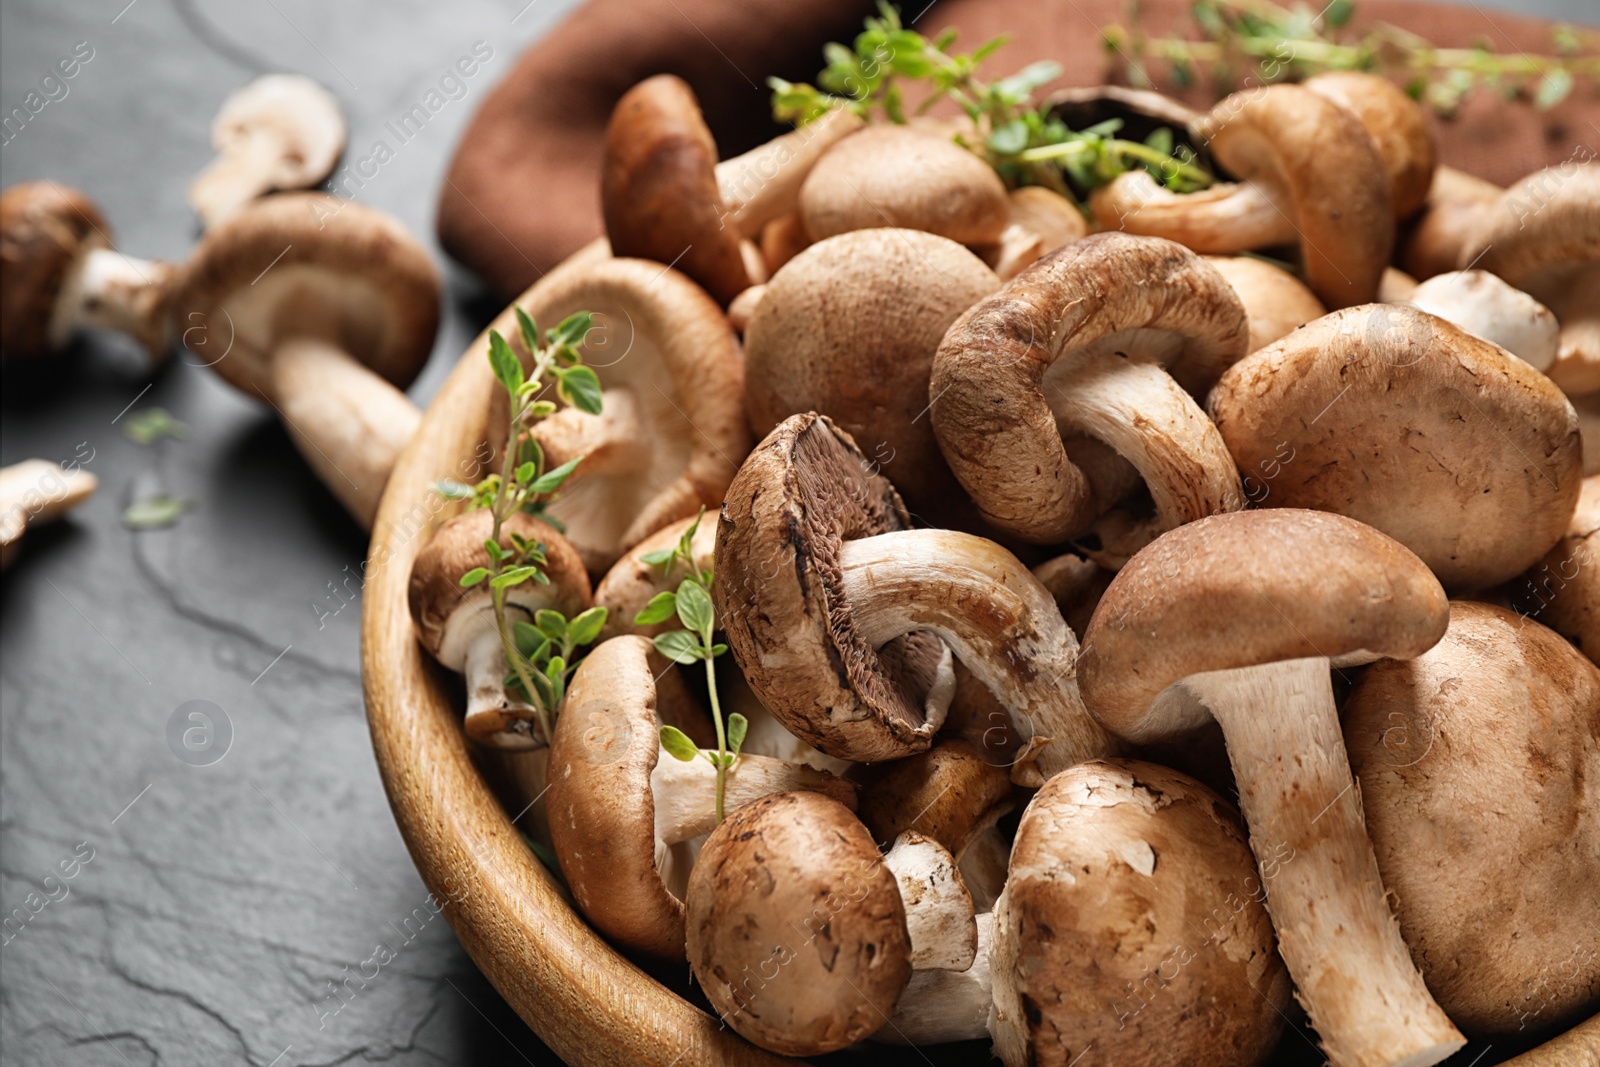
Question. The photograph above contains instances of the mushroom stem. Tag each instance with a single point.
(984, 863)
(349, 423)
(493, 718)
(241, 173)
(764, 183)
(939, 1007)
(939, 911)
(992, 612)
(686, 790)
(111, 291)
(1335, 930)
(1227, 217)
(611, 442)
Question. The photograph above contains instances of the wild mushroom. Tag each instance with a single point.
(817, 572)
(457, 626)
(1484, 306)
(37, 491)
(282, 131)
(1276, 302)
(1239, 617)
(1543, 236)
(671, 430)
(1397, 127)
(1433, 242)
(1443, 441)
(326, 310)
(59, 274)
(622, 810)
(1478, 763)
(1083, 341)
(1308, 175)
(905, 177)
(1563, 590)
(848, 329)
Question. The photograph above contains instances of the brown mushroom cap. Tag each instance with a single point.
(848, 329)
(1479, 764)
(309, 265)
(1563, 590)
(1276, 302)
(797, 933)
(659, 187)
(906, 177)
(1433, 243)
(45, 228)
(1396, 125)
(1155, 948)
(631, 582)
(951, 793)
(1443, 441)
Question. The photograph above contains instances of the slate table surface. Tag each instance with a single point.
(223, 897)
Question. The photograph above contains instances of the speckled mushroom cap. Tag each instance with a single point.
(803, 492)
(1563, 590)
(1276, 302)
(992, 375)
(440, 606)
(1161, 883)
(792, 886)
(1444, 441)
(658, 187)
(1480, 775)
(848, 329)
(1396, 126)
(308, 264)
(888, 175)
(630, 583)
(45, 227)
(1243, 590)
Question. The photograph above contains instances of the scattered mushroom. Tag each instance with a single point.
(1462, 453)
(1479, 762)
(37, 491)
(1483, 305)
(1563, 590)
(1276, 302)
(817, 572)
(1239, 617)
(1433, 243)
(59, 274)
(282, 131)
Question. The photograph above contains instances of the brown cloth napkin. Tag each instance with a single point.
(522, 192)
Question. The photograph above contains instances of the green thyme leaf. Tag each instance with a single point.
(586, 626)
(694, 606)
(572, 330)
(552, 624)
(474, 576)
(580, 387)
(151, 425)
(738, 726)
(529, 330)
(662, 607)
(678, 745)
(680, 646)
(507, 368)
(516, 576)
(655, 559)
(453, 490)
(550, 481)
(155, 513)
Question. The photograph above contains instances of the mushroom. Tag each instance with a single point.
(326, 310)
(1308, 175)
(1238, 618)
(1479, 762)
(632, 581)
(282, 131)
(1543, 236)
(763, 185)
(1082, 342)
(1276, 302)
(782, 239)
(1484, 306)
(622, 811)
(905, 177)
(671, 431)
(37, 491)
(848, 329)
(817, 573)
(1433, 242)
(1395, 124)
(1443, 441)
(1395, 286)
(59, 274)
(1588, 409)
(457, 626)
(1563, 590)
(1040, 221)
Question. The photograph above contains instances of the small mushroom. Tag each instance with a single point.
(623, 812)
(905, 177)
(1397, 127)
(37, 491)
(1238, 618)
(325, 309)
(1083, 341)
(59, 274)
(1040, 221)
(1484, 306)
(631, 582)
(763, 185)
(1443, 441)
(1478, 763)
(817, 573)
(282, 131)
(1433, 242)
(1563, 590)
(457, 626)
(1276, 302)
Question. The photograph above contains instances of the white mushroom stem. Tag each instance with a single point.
(349, 423)
(244, 171)
(686, 790)
(1335, 930)
(764, 734)
(1227, 217)
(764, 183)
(110, 291)
(493, 718)
(939, 912)
(611, 442)
(1483, 305)
(984, 864)
(37, 490)
(994, 615)
(939, 1007)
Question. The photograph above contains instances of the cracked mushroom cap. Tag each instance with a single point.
(308, 264)
(906, 177)
(1276, 302)
(1397, 127)
(1121, 871)
(797, 931)
(1243, 590)
(45, 229)
(848, 329)
(1563, 591)
(1447, 443)
(1479, 764)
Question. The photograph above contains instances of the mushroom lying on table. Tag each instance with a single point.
(59, 274)
(1239, 618)
(37, 491)
(1479, 764)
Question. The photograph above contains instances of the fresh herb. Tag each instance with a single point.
(692, 606)
(151, 425)
(541, 656)
(1257, 41)
(1020, 138)
(155, 513)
